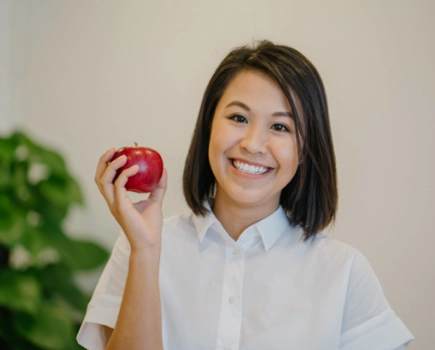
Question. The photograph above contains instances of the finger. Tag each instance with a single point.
(112, 167)
(106, 182)
(158, 194)
(120, 190)
(102, 163)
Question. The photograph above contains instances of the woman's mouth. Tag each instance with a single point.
(249, 169)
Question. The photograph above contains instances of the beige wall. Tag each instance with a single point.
(86, 75)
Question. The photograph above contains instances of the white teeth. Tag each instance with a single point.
(249, 169)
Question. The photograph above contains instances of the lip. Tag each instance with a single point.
(249, 162)
(247, 175)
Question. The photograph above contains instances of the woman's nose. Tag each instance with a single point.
(254, 140)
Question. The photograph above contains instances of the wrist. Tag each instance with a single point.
(146, 254)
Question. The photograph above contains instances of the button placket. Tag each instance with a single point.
(231, 308)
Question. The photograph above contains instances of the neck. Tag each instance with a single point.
(237, 217)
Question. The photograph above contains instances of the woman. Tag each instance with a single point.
(249, 268)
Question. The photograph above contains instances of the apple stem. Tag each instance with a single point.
(135, 144)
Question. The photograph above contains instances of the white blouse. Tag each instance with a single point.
(267, 290)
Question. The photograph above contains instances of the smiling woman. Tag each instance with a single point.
(253, 148)
(249, 268)
(310, 199)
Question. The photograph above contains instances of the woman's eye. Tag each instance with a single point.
(280, 127)
(238, 118)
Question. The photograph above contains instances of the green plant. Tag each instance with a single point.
(41, 305)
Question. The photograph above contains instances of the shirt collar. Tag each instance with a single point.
(203, 223)
(269, 229)
(272, 227)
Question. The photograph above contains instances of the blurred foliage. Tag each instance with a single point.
(41, 306)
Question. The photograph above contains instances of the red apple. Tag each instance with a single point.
(150, 168)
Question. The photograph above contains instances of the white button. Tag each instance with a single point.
(231, 300)
(235, 251)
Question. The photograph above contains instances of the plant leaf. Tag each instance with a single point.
(55, 190)
(88, 255)
(12, 224)
(59, 279)
(78, 254)
(50, 329)
(7, 149)
(34, 240)
(52, 159)
(9, 337)
(20, 290)
(61, 190)
(74, 192)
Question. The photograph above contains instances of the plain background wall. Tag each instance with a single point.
(84, 75)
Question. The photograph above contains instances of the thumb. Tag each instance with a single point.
(159, 192)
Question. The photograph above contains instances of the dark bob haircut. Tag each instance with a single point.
(310, 199)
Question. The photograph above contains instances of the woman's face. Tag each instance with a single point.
(253, 151)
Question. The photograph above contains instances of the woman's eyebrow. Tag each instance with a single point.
(239, 104)
(245, 107)
(283, 114)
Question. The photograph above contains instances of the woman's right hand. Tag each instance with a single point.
(141, 221)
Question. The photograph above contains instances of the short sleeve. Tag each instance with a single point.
(103, 308)
(368, 320)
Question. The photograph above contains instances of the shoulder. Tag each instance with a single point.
(330, 247)
(178, 222)
(338, 257)
(331, 254)
(179, 228)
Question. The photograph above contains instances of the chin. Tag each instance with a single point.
(254, 200)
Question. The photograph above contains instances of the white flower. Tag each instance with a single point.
(20, 258)
(37, 173)
(21, 153)
(47, 256)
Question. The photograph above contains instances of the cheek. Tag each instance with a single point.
(216, 147)
(214, 142)
(222, 138)
(287, 155)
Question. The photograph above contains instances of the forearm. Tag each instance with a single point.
(139, 324)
